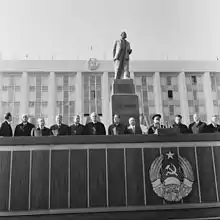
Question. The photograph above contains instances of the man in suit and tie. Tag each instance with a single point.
(153, 129)
(94, 127)
(5, 129)
(121, 52)
(179, 126)
(117, 128)
(76, 128)
(59, 129)
(24, 128)
(41, 130)
(133, 128)
(213, 127)
(197, 126)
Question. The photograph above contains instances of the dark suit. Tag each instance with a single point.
(117, 129)
(23, 129)
(212, 129)
(197, 128)
(60, 130)
(37, 132)
(94, 129)
(137, 130)
(153, 128)
(181, 128)
(6, 130)
(76, 129)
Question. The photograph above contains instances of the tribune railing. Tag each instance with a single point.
(81, 174)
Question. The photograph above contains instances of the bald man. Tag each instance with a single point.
(25, 128)
(41, 129)
(94, 127)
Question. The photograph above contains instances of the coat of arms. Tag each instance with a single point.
(171, 177)
(93, 64)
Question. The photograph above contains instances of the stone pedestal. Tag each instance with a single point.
(124, 100)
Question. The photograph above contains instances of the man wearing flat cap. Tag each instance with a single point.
(5, 129)
(121, 52)
(179, 126)
(153, 129)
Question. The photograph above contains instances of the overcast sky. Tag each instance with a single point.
(66, 29)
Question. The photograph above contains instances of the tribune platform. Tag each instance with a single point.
(105, 177)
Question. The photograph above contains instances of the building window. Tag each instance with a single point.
(4, 88)
(169, 82)
(31, 104)
(44, 88)
(143, 80)
(31, 88)
(194, 80)
(194, 95)
(170, 94)
(196, 109)
(213, 85)
(171, 109)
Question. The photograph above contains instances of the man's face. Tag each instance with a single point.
(123, 35)
(195, 117)
(132, 121)
(41, 122)
(24, 118)
(10, 118)
(76, 119)
(156, 120)
(214, 119)
(94, 117)
(177, 120)
(58, 119)
(116, 119)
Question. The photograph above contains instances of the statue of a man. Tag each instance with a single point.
(121, 52)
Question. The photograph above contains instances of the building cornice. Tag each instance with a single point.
(107, 66)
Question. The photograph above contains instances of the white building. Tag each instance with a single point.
(46, 88)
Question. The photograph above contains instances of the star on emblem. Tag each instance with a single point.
(170, 155)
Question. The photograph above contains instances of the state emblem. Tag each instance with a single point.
(171, 177)
(93, 64)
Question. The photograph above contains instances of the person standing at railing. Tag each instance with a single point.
(179, 126)
(133, 128)
(117, 128)
(94, 127)
(213, 127)
(153, 129)
(197, 126)
(41, 129)
(5, 129)
(76, 128)
(59, 129)
(24, 128)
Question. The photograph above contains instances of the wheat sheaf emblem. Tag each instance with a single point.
(171, 176)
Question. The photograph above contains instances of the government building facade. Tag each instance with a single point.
(47, 88)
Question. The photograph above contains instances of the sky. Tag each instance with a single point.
(67, 29)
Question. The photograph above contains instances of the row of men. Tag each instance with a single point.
(95, 127)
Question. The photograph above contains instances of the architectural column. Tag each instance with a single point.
(106, 108)
(132, 75)
(24, 93)
(207, 88)
(158, 94)
(52, 99)
(183, 98)
(79, 98)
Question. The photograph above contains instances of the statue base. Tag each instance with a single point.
(124, 100)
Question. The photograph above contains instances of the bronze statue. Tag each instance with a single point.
(121, 52)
